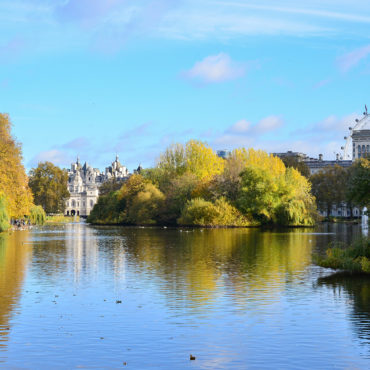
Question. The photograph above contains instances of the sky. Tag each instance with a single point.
(96, 78)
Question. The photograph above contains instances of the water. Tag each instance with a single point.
(76, 296)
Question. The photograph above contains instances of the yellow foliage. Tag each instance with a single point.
(13, 178)
(260, 159)
(202, 161)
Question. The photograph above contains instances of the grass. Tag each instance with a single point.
(354, 258)
(61, 219)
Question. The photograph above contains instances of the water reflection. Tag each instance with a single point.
(356, 290)
(14, 255)
(238, 297)
(192, 266)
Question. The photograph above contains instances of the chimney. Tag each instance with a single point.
(320, 157)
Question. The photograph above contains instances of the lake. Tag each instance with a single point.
(77, 296)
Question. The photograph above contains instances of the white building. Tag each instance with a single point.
(83, 185)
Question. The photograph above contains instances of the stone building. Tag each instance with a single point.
(84, 182)
(361, 137)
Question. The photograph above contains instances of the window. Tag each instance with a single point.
(73, 203)
(91, 203)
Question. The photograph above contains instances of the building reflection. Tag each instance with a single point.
(14, 256)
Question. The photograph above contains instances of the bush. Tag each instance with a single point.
(355, 258)
(37, 215)
(203, 213)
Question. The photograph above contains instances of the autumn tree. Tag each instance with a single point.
(49, 187)
(202, 161)
(271, 193)
(13, 179)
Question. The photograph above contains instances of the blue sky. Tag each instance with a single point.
(96, 78)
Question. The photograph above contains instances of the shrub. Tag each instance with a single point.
(203, 213)
(355, 258)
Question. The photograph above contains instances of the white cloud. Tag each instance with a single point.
(244, 133)
(57, 157)
(240, 127)
(324, 137)
(216, 68)
(268, 124)
(331, 126)
(352, 59)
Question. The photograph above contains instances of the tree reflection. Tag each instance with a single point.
(194, 264)
(356, 290)
(14, 255)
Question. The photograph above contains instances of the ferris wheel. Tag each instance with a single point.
(360, 123)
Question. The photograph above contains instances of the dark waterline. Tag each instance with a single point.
(97, 297)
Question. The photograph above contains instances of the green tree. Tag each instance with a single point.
(109, 186)
(359, 183)
(258, 196)
(329, 187)
(178, 192)
(297, 164)
(49, 187)
(108, 209)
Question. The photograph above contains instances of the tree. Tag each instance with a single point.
(271, 193)
(227, 184)
(359, 183)
(146, 206)
(178, 192)
(258, 196)
(49, 187)
(109, 186)
(298, 165)
(329, 187)
(13, 178)
(202, 161)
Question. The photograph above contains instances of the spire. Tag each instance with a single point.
(78, 159)
(116, 157)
